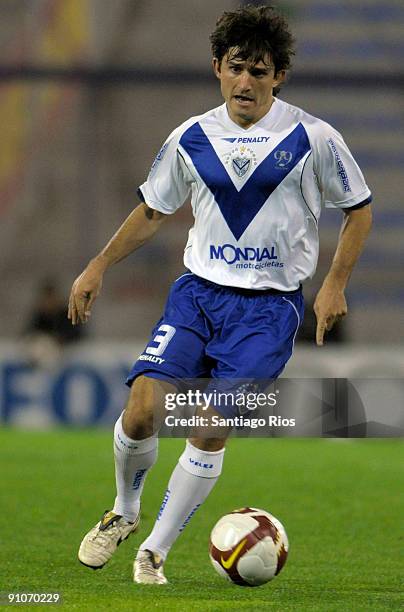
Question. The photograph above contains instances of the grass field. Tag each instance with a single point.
(341, 502)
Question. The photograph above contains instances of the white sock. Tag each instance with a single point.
(191, 482)
(133, 459)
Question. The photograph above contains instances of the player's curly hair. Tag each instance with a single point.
(254, 32)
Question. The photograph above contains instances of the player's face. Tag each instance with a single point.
(246, 87)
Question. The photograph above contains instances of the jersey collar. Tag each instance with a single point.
(266, 122)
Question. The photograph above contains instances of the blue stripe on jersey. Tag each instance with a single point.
(240, 207)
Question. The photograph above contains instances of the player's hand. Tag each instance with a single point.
(84, 291)
(329, 307)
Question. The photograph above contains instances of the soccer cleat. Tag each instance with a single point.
(148, 568)
(101, 542)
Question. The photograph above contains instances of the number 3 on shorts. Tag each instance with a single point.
(161, 340)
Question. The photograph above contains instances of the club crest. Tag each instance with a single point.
(241, 165)
(241, 159)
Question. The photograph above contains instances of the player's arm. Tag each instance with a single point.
(330, 304)
(137, 229)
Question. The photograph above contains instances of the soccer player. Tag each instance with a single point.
(258, 171)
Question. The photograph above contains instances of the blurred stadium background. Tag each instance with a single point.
(89, 89)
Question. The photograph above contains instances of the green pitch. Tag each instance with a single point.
(341, 503)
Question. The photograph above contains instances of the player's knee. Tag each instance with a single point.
(140, 415)
(208, 444)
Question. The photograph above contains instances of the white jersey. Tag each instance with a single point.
(256, 193)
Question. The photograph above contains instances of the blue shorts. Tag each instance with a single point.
(215, 332)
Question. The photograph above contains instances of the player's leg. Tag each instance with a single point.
(175, 351)
(193, 478)
(135, 452)
(136, 442)
(240, 356)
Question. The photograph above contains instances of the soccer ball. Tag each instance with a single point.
(248, 546)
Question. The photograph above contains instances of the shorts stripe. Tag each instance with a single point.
(298, 319)
(182, 276)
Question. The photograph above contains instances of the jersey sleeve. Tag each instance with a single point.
(168, 184)
(340, 179)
